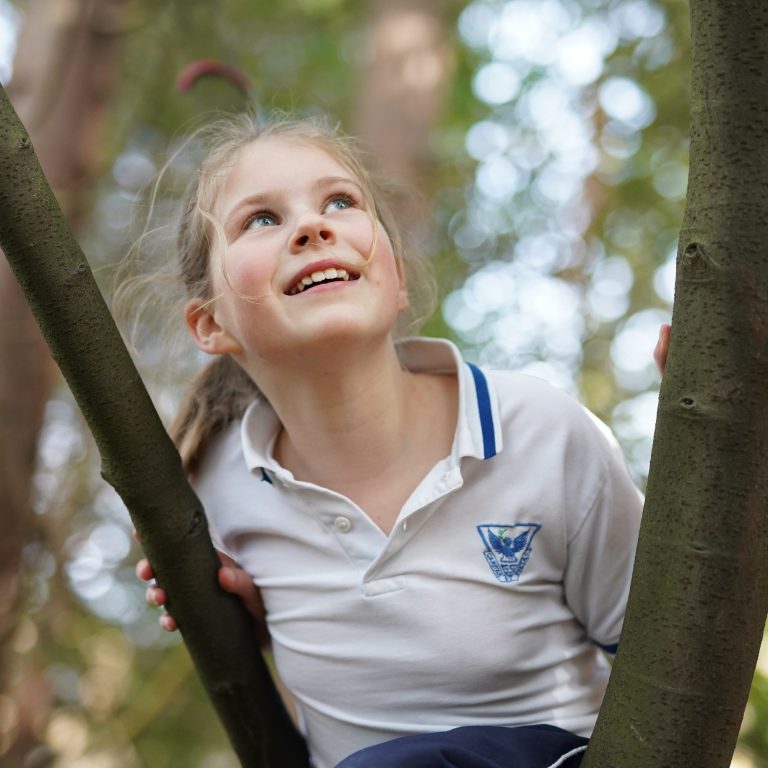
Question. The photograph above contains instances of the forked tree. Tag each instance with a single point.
(698, 600)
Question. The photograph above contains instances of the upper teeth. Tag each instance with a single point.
(317, 277)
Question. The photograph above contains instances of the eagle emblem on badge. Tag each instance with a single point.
(508, 548)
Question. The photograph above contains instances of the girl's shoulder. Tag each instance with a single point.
(222, 462)
(531, 405)
(523, 392)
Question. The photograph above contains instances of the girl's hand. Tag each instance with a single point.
(232, 579)
(662, 347)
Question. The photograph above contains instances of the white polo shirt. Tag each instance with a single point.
(507, 567)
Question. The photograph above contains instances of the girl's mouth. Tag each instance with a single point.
(319, 277)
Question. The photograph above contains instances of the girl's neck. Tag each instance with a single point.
(363, 427)
(341, 416)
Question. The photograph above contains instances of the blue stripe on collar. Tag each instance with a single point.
(485, 412)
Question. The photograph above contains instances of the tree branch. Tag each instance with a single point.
(699, 593)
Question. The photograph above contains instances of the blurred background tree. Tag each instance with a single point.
(542, 147)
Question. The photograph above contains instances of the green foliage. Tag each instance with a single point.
(754, 736)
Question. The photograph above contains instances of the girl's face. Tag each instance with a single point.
(303, 267)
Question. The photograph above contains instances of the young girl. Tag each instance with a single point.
(442, 551)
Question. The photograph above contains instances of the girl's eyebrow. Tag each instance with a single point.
(328, 181)
(261, 198)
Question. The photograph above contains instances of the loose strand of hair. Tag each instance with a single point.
(220, 393)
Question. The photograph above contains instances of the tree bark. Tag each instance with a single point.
(699, 594)
(138, 458)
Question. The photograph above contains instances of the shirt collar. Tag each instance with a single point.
(478, 431)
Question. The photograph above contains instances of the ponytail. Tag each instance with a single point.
(217, 396)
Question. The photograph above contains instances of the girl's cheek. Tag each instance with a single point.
(242, 281)
(246, 273)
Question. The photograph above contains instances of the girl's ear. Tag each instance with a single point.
(208, 334)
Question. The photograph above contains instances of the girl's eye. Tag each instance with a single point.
(340, 203)
(261, 219)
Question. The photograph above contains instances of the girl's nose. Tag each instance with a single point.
(314, 232)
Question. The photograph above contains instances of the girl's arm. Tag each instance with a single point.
(232, 579)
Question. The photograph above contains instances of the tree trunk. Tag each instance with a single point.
(138, 457)
(408, 66)
(699, 594)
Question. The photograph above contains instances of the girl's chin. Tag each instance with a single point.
(343, 324)
(329, 340)
(321, 330)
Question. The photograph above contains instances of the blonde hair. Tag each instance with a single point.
(221, 392)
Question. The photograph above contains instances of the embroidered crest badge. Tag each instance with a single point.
(508, 548)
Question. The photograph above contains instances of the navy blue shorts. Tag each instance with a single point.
(476, 746)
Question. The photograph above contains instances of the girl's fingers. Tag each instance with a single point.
(662, 347)
(168, 623)
(231, 579)
(156, 596)
(144, 570)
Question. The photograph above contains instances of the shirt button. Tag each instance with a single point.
(343, 524)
